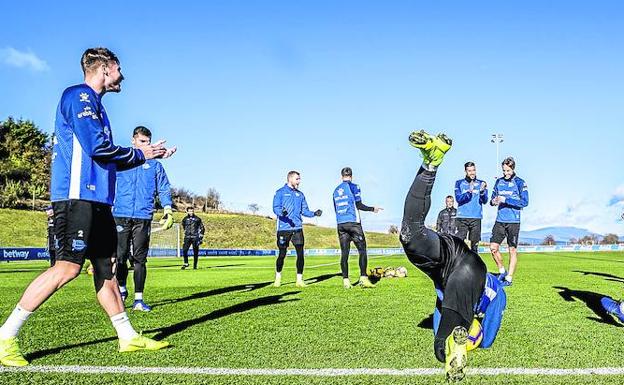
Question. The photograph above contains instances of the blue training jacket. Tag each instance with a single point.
(84, 158)
(469, 203)
(345, 197)
(516, 195)
(491, 307)
(137, 188)
(295, 204)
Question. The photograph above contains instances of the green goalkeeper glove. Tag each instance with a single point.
(167, 219)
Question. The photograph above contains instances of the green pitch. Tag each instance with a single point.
(227, 315)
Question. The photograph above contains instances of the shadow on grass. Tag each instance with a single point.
(209, 293)
(167, 331)
(321, 278)
(606, 276)
(164, 332)
(591, 300)
(426, 323)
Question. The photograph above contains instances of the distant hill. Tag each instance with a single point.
(25, 228)
(562, 234)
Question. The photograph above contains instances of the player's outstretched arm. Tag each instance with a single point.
(306, 212)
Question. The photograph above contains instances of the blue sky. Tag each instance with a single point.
(248, 90)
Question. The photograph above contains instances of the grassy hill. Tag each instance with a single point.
(28, 229)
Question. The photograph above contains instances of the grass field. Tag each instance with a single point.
(24, 228)
(227, 315)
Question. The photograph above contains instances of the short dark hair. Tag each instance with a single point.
(143, 131)
(292, 172)
(468, 164)
(450, 196)
(190, 208)
(94, 57)
(346, 171)
(509, 161)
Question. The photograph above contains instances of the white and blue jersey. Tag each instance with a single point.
(84, 158)
(516, 195)
(137, 188)
(469, 203)
(490, 309)
(294, 202)
(346, 196)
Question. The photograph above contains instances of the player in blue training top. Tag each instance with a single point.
(289, 204)
(84, 163)
(463, 286)
(613, 307)
(511, 195)
(347, 204)
(133, 211)
(471, 194)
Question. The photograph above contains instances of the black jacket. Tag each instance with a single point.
(446, 221)
(193, 227)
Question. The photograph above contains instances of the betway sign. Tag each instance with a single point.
(23, 254)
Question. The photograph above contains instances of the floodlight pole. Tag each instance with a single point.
(497, 139)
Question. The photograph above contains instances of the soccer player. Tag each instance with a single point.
(51, 240)
(347, 204)
(84, 163)
(289, 204)
(133, 211)
(511, 195)
(193, 235)
(446, 223)
(471, 194)
(613, 307)
(463, 286)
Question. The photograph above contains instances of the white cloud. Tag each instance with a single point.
(22, 59)
(589, 213)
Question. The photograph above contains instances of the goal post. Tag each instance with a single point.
(165, 242)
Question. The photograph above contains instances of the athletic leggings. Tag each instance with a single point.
(348, 232)
(279, 263)
(465, 271)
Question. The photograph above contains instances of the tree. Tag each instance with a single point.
(254, 208)
(25, 155)
(549, 241)
(573, 241)
(393, 229)
(610, 239)
(588, 240)
(213, 199)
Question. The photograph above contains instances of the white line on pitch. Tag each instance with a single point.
(329, 372)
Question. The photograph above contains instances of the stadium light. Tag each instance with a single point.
(497, 139)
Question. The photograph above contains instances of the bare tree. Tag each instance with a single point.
(393, 229)
(549, 240)
(254, 208)
(610, 239)
(213, 199)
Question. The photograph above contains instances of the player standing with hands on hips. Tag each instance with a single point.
(84, 163)
(511, 195)
(289, 204)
